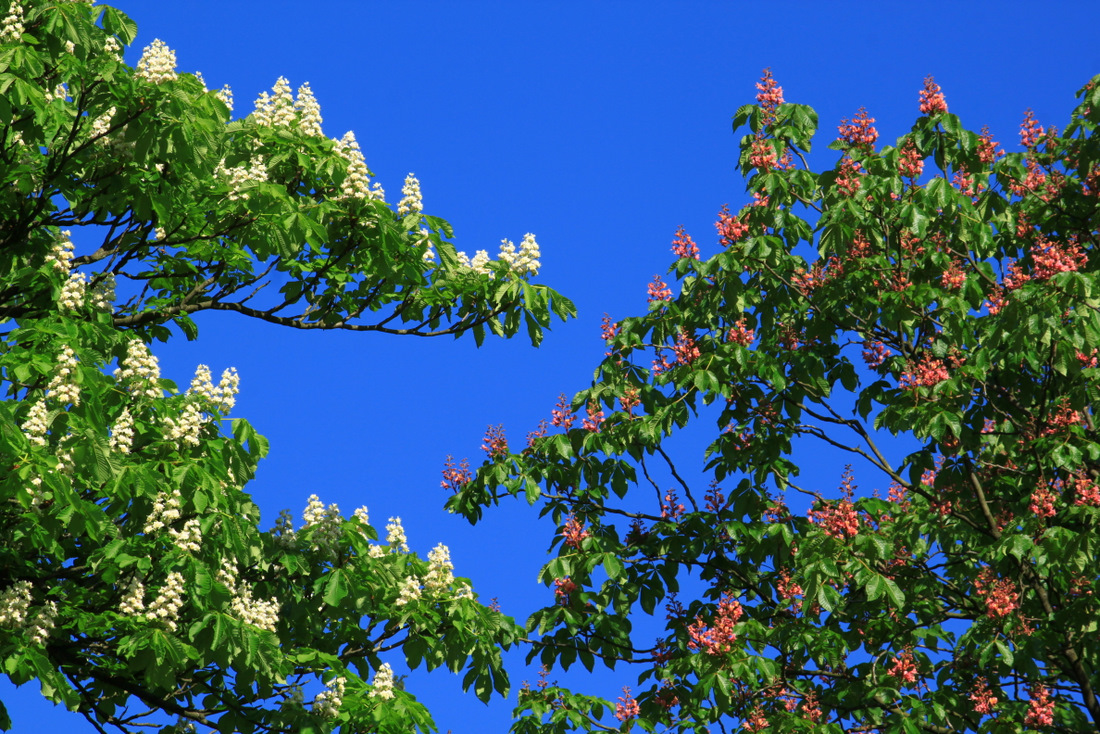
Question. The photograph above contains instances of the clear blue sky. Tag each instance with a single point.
(600, 127)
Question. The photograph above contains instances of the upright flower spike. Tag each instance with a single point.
(12, 28)
(309, 112)
(932, 101)
(411, 201)
(356, 184)
(157, 63)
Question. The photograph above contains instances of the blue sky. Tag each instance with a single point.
(600, 127)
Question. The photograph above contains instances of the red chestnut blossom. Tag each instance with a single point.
(671, 509)
(1000, 595)
(1040, 709)
(904, 668)
(627, 708)
(456, 477)
(563, 588)
(838, 519)
(966, 184)
(539, 432)
(629, 400)
(595, 418)
(987, 147)
(875, 353)
(984, 700)
(848, 177)
(1030, 130)
(608, 330)
(859, 133)
(954, 277)
(1042, 502)
(719, 637)
(574, 532)
(494, 443)
(659, 290)
(1088, 361)
(562, 416)
(910, 161)
(1051, 258)
(926, 372)
(932, 100)
(684, 246)
(762, 155)
(811, 711)
(730, 228)
(756, 721)
(769, 97)
(685, 349)
(1086, 492)
(1033, 181)
(785, 588)
(740, 335)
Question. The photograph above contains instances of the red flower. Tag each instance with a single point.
(1030, 130)
(859, 133)
(730, 228)
(684, 246)
(769, 97)
(932, 100)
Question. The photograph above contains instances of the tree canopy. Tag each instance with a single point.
(135, 580)
(936, 290)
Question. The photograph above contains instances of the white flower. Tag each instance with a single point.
(140, 371)
(411, 202)
(395, 535)
(325, 520)
(103, 292)
(133, 601)
(260, 613)
(382, 687)
(72, 293)
(440, 568)
(361, 515)
(58, 92)
(122, 433)
(478, 263)
(284, 530)
(189, 538)
(225, 94)
(526, 261)
(42, 623)
(36, 424)
(309, 112)
(61, 254)
(187, 427)
(225, 394)
(241, 178)
(112, 47)
(14, 603)
(166, 510)
(102, 124)
(61, 387)
(356, 184)
(70, 47)
(168, 602)
(410, 592)
(157, 63)
(159, 234)
(327, 702)
(12, 28)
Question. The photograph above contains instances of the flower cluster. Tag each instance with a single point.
(762, 154)
(185, 428)
(139, 371)
(166, 606)
(222, 397)
(72, 293)
(926, 372)
(932, 101)
(61, 387)
(563, 590)
(37, 424)
(984, 700)
(684, 246)
(281, 109)
(12, 28)
(455, 477)
(382, 685)
(1042, 502)
(61, 254)
(987, 147)
(166, 510)
(1000, 595)
(574, 532)
(875, 353)
(477, 263)
(103, 292)
(101, 125)
(730, 228)
(954, 277)
(157, 63)
(242, 178)
(440, 570)
(769, 96)
(495, 444)
(719, 637)
(627, 707)
(260, 613)
(838, 519)
(133, 601)
(1030, 130)
(410, 591)
(594, 419)
(910, 161)
(526, 261)
(411, 200)
(356, 184)
(658, 290)
(15, 602)
(740, 335)
(1051, 258)
(1040, 709)
(849, 177)
(562, 415)
(326, 522)
(395, 535)
(326, 704)
(860, 131)
(904, 668)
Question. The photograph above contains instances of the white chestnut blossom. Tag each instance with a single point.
(166, 510)
(382, 686)
(12, 28)
(157, 63)
(260, 613)
(42, 623)
(440, 570)
(166, 606)
(61, 387)
(38, 495)
(327, 522)
(72, 293)
(361, 515)
(187, 427)
(241, 178)
(112, 47)
(133, 601)
(356, 184)
(36, 425)
(477, 264)
(122, 432)
(61, 254)
(225, 94)
(139, 371)
(410, 592)
(395, 535)
(189, 538)
(411, 201)
(327, 703)
(309, 112)
(526, 261)
(284, 530)
(222, 397)
(102, 124)
(103, 292)
(59, 92)
(70, 47)
(14, 603)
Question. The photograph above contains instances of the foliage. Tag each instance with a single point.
(134, 578)
(955, 309)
